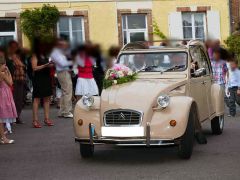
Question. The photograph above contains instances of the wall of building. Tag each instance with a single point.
(102, 19)
(161, 10)
(104, 24)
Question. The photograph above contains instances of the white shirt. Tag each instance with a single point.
(234, 79)
(80, 61)
(60, 60)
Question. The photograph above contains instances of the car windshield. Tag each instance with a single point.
(155, 62)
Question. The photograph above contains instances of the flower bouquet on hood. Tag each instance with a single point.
(118, 74)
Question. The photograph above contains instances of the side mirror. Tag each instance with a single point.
(200, 72)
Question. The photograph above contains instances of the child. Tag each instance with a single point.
(8, 113)
(219, 68)
(233, 87)
(86, 84)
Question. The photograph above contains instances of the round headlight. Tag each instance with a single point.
(88, 100)
(163, 101)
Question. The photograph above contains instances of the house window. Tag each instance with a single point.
(71, 29)
(194, 26)
(7, 31)
(134, 28)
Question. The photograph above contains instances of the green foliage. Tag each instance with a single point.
(40, 22)
(157, 32)
(233, 43)
(108, 83)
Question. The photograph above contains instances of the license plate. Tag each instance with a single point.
(123, 131)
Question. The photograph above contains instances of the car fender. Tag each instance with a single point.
(178, 110)
(86, 115)
(217, 94)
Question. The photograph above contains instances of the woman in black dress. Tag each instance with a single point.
(42, 86)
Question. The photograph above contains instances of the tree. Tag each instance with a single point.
(233, 43)
(40, 22)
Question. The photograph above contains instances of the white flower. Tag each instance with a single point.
(130, 73)
(120, 74)
(114, 81)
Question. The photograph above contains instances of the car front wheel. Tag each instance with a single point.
(186, 144)
(86, 150)
(217, 125)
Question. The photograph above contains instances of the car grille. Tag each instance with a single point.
(122, 117)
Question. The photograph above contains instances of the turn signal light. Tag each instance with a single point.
(173, 123)
(80, 122)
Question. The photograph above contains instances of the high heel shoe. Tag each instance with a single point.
(48, 122)
(9, 141)
(36, 124)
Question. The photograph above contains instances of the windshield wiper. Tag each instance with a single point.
(174, 68)
(147, 68)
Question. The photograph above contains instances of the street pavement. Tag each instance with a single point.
(50, 153)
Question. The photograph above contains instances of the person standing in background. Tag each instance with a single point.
(86, 84)
(8, 113)
(12, 48)
(59, 58)
(209, 46)
(19, 83)
(219, 68)
(112, 53)
(99, 68)
(233, 87)
(42, 82)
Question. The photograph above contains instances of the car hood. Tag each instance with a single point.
(140, 95)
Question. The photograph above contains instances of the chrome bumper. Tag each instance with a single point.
(141, 141)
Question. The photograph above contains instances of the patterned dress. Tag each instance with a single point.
(8, 111)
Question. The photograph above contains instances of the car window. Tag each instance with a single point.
(155, 62)
(199, 60)
(205, 62)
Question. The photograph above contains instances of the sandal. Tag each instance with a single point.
(48, 122)
(36, 124)
(6, 141)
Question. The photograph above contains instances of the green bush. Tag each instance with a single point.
(233, 43)
(40, 22)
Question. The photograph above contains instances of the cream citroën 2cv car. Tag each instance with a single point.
(173, 94)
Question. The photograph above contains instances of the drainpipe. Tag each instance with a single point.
(230, 15)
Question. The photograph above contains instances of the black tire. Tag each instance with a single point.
(185, 147)
(217, 125)
(86, 150)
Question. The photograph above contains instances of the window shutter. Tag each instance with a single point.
(213, 25)
(175, 25)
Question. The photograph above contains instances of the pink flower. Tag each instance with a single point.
(117, 67)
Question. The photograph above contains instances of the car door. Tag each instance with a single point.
(198, 83)
(207, 80)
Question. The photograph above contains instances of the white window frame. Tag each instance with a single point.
(193, 25)
(10, 33)
(70, 27)
(129, 31)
